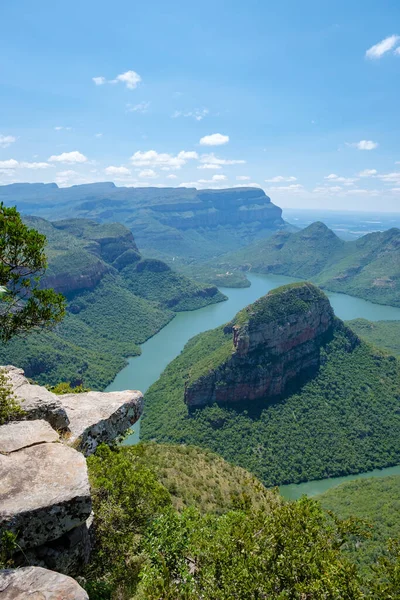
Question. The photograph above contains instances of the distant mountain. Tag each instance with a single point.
(284, 390)
(368, 267)
(116, 300)
(171, 223)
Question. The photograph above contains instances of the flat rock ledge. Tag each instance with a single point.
(39, 584)
(36, 401)
(96, 417)
(22, 434)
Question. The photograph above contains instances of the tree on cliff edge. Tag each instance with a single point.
(23, 304)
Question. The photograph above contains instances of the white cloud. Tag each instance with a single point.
(142, 107)
(35, 165)
(99, 80)
(117, 170)
(294, 187)
(242, 178)
(68, 157)
(207, 166)
(281, 179)
(6, 140)
(130, 78)
(337, 179)
(219, 177)
(211, 159)
(172, 176)
(15, 164)
(165, 161)
(364, 145)
(63, 178)
(382, 47)
(98, 135)
(247, 185)
(215, 139)
(368, 173)
(11, 163)
(61, 127)
(198, 113)
(390, 177)
(397, 51)
(148, 174)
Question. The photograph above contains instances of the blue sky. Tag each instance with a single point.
(304, 96)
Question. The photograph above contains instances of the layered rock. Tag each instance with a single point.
(44, 497)
(36, 401)
(275, 345)
(96, 417)
(85, 420)
(39, 584)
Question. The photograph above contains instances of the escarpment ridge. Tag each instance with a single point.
(274, 344)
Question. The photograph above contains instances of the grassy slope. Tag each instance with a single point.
(200, 478)
(344, 421)
(377, 501)
(383, 334)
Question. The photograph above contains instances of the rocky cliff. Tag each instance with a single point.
(272, 346)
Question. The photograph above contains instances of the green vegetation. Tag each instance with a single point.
(9, 407)
(116, 301)
(23, 304)
(368, 267)
(159, 535)
(377, 502)
(343, 421)
(382, 334)
(201, 478)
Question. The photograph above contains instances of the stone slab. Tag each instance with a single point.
(36, 583)
(96, 417)
(44, 493)
(22, 434)
(36, 401)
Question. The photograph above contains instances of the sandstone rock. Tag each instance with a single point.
(21, 434)
(276, 344)
(96, 417)
(36, 401)
(44, 493)
(36, 583)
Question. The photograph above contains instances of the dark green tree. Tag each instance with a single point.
(24, 305)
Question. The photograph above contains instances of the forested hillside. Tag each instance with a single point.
(368, 267)
(343, 420)
(116, 300)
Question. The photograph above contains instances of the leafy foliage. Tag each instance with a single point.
(382, 334)
(376, 501)
(9, 406)
(23, 305)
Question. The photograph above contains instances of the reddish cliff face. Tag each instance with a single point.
(276, 344)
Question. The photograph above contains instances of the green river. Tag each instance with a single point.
(142, 371)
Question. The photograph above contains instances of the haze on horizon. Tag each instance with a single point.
(299, 99)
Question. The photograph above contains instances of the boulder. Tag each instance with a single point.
(21, 434)
(44, 493)
(39, 584)
(96, 417)
(36, 401)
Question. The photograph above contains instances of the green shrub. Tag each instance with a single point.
(9, 408)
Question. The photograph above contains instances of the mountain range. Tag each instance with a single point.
(183, 224)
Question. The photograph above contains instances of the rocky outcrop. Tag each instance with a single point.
(96, 417)
(276, 344)
(44, 497)
(39, 584)
(36, 401)
(44, 494)
(85, 420)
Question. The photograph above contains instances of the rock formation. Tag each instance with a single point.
(86, 420)
(275, 344)
(44, 494)
(38, 584)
